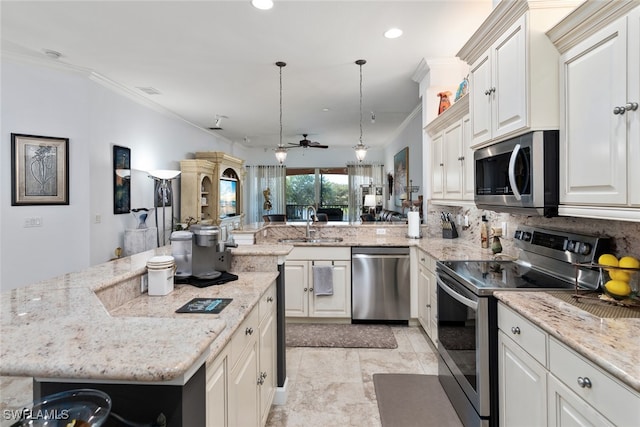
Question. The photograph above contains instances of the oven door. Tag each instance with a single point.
(463, 343)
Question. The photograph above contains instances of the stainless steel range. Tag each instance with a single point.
(467, 310)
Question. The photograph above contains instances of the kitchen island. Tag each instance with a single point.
(94, 328)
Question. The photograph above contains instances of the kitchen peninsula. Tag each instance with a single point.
(94, 329)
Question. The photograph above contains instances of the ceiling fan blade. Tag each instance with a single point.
(317, 145)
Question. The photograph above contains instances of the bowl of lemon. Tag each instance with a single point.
(620, 277)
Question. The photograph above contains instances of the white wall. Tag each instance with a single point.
(409, 135)
(41, 100)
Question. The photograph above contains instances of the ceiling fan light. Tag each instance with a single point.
(262, 4)
(361, 151)
(281, 154)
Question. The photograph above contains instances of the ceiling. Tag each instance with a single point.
(217, 58)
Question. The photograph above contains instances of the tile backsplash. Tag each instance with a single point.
(625, 235)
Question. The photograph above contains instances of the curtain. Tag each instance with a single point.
(265, 191)
(362, 174)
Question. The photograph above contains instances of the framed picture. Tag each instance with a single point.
(121, 180)
(39, 170)
(400, 176)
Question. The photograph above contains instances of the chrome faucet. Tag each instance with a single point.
(311, 214)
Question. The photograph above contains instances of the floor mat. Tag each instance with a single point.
(339, 335)
(411, 400)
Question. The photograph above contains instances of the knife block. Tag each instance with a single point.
(450, 233)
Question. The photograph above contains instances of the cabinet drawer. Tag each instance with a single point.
(320, 253)
(244, 335)
(267, 302)
(611, 398)
(528, 336)
(427, 261)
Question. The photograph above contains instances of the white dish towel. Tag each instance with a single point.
(322, 280)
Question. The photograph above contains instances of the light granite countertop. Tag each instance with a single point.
(60, 328)
(611, 344)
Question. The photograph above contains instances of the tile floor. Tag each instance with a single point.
(327, 386)
(334, 386)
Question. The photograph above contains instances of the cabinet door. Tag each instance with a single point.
(452, 139)
(296, 291)
(338, 304)
(423, 299)
(480, 89)
(566, 409)
(243, 389)
(522, 383)
(437, 168)
(509, 75)
(267, 365)
(217, 392)
(468, 178)
(633, 95)
(593, 146)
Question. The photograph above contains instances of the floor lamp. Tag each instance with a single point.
(164, 178)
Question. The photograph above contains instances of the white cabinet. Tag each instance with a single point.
(498, 88)
(241, 380)
(543, 382)
(589, 384)
(427, 295)
(513, 82)
(600, 120)
(300, 298)
(452, 156)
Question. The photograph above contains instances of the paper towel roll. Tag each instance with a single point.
(414, 224)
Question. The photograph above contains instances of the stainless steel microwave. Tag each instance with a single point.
(519, 175)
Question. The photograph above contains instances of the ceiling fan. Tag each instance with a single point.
(305, 143)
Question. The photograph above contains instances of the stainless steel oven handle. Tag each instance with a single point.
(512, 172)
(455, 295)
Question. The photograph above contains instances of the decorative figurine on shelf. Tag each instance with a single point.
(463, 89)
(141, 214)
(267, 202)
(444, 101)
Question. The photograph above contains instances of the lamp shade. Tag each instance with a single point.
(361, 152)
(163, 173)
(370, 201)
(281, 154)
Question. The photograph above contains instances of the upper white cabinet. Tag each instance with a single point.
(451, 154)
(513, 76)
(600, 117)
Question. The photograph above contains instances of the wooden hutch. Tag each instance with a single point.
(211, 189)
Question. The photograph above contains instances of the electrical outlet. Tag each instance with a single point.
(381, 231)
(144, 283)
(33, 221)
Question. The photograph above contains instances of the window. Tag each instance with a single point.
(325, 188)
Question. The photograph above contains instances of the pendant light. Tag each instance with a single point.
(281, 152)
(361, 149)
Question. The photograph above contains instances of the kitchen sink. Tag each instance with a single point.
(311, 240)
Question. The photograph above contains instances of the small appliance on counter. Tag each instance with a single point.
(201, 258)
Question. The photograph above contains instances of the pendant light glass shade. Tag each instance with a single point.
(281, 152)
(361, 149)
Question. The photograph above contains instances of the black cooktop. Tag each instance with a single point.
(484, 277)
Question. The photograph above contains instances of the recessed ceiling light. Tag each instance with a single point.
(262, 4)
(325, 109)
(393, 33)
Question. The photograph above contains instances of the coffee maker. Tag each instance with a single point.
(204, 251)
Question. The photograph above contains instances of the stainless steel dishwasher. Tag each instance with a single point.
(380, 284)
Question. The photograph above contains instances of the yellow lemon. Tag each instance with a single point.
(617, 288)
(629, 262)
(608, 259)
(621, 275)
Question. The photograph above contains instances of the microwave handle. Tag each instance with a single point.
(512, 172)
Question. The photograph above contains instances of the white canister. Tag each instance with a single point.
(161, 270)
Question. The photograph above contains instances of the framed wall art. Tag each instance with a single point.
(400, 176)
(39, 170)
(121, 180)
